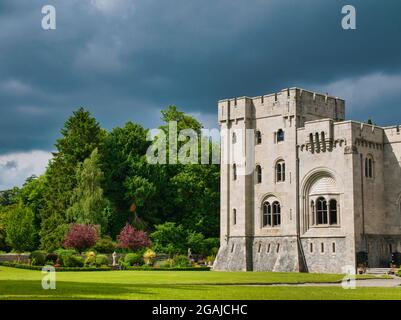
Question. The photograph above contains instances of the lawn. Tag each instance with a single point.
(26, 284)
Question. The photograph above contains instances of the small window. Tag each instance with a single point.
(311, 247)
(369, 167)
(333, 211)
(234, 216)
(234, 137)
(268, 248)
(280, 135)
(278, 247)
(258, 137)
(321, 211)
(334, 247)
(267, 214)
(280, 171)
(234, 171)
(322, 247)
(232, 248)
(260, 247)
(258, 174)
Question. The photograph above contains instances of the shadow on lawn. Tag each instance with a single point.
(30, 289)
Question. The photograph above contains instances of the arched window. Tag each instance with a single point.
(276, 214)
(321, 211)
(333, 211)
(234, 171)
(258, 174)
(280, 171)
(267, 214)
(258, 137)
(369, 167)
(280, 135)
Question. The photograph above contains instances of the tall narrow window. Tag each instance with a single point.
(234, 171)
(258, 137)
(267, 214)
(234, 216)
(280, 135)
(258, 174)
(333, 211)
(312, 209)
(280, 171)
(234, 137)
(276, 214)
(321, 211)
(312, 147)
(369, 167)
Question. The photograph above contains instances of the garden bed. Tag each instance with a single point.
(142, 268)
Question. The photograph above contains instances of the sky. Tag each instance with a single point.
(125, 60)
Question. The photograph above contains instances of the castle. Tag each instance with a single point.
(324, 193)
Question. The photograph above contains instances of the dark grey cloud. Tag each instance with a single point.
(125, 60)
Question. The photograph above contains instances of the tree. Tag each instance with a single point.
(130, 238)
(89, 206)
(20, 229)
(81, 134)
(170, 238)
(81, 236)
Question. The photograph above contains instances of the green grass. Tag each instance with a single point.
(26, 284)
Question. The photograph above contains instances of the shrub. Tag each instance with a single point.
(133, 259)
(169, 238)
(149, 257)
(181, 261)
(101, 260)
(130, 238)
(105, 245)
(52, 257)
(211, 246)
(63, 255)
(90, 259)
(74, 261)
(38, 258)
(168, 263)
(81, 236)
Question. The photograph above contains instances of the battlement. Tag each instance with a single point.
(287, 102)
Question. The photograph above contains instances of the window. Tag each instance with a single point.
(234, 137)
(334, 247)
(311, 247)
(234, 216)
(267, 214)
(234, 171)
(280, 171)
(268, 248)
(278, 247)
(322, 247)
(321, 211)
(326, 213)
(258, 174)
(258, 137)
(333, 211)
(280, 135)
(369, 167)
(276, 214)
(271, 214)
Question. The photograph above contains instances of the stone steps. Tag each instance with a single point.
(378, 270)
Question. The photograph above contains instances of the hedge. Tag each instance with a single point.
(143, 268)
(28, 267)
(146, 268)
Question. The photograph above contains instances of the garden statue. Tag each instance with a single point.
(114, 255)
(189, 253)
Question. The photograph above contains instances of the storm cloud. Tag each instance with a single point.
(126, 60)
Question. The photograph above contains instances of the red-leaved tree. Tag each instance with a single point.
(130, 238)
(81, 236)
